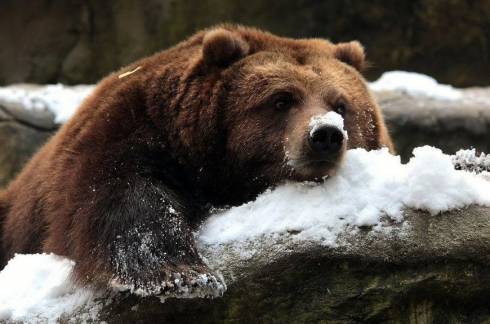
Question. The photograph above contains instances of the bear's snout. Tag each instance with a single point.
(326, 141)
(316, 149)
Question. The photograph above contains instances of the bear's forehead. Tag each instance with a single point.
(317, 71)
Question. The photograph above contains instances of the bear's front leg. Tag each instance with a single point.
(142, 241)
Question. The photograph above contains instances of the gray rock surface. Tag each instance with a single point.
(431, 269)
(447, 124)
(22, 132)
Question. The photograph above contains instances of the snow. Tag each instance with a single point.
(415, 84)
(61, 100)
(469, 160)
(329, 119)
(37, 288)
(368, 187)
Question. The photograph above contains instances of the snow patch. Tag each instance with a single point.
(37, 288)
(415, 84)
(469, 160)
(331, 118)
(368, 188)
(61, 100)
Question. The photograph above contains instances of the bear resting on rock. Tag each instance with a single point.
(213, 121)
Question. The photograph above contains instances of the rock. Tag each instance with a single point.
(22, 132)
(432, 269)
(447, 124)
(40, 119)
(94, 38)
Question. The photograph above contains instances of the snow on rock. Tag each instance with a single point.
(468, 160)
(331, 118)
(37, 288)
(368, 187)
(61, 100)
(415, 84)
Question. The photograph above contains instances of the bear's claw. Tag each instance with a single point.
(177, 283)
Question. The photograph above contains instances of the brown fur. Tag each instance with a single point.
(192, 127)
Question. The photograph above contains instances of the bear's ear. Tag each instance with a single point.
(351, 53)
(221, 47)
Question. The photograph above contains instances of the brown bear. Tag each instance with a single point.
(213, 121)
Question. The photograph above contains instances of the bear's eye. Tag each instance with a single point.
(340, 108)
(283, 101)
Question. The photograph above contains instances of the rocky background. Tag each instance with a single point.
(79, 41)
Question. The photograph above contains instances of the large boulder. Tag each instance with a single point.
(429, 269)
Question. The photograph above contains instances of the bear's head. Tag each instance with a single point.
(247, 109)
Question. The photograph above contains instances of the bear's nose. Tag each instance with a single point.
(326, 140)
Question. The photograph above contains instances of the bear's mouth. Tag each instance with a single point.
(313, 169)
